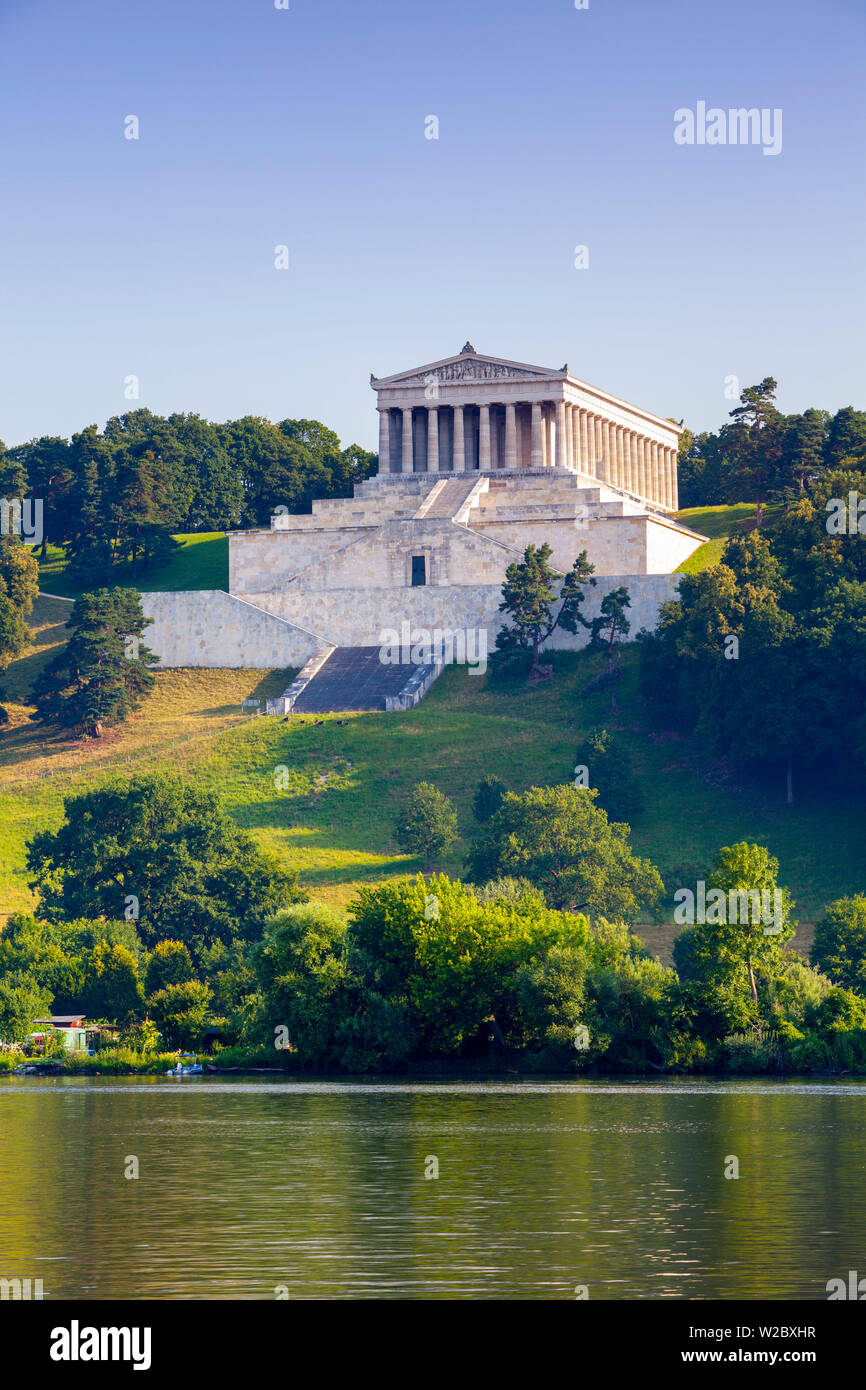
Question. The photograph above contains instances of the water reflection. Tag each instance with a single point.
(245, 1186)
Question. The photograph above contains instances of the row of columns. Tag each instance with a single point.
(577, 439)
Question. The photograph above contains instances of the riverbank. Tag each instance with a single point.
(525, 1068)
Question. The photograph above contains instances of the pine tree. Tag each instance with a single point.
(804, 448)
(756, 442)
(531, 591)
(611, 772)
(89, 541)
(104, 671)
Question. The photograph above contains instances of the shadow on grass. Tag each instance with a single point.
(199, 563)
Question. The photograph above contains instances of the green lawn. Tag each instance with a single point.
(702, 558)
(201, 563)
(349, 774)
(718, 523)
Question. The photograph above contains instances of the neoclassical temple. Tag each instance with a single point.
(478, 458)
(477, 413)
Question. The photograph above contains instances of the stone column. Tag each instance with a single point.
(654, 493)
(585, 460)
(635, 464)
(433, 439)
(536, 447)
(670, 472)
(617, 455)
(484, 438)
(642, 469)
(608, 429)
(663, 469)
(384, 441)
(628, 465)
(675, 487)
(510, 436)
(624, 457)
(407, 441)
(458, 461)
(561, 442)
(598, 449)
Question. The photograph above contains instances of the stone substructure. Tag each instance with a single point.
(544, 458)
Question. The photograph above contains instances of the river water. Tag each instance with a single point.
(304, 1189)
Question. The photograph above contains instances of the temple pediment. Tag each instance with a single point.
(468, 366)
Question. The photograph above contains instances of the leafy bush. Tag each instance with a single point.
(427, 823)
(169, 963)
(180, 1012)
(839, 943)
(487, 799)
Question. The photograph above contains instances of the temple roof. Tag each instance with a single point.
(469, 365)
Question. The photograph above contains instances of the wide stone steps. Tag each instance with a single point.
(354, 678)
(450, 496)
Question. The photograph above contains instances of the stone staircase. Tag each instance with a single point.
(355, 678)
(450, 497)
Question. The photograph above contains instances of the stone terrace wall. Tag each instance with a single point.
(209, 627)
(357, 617)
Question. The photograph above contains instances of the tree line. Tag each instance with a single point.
(763, 656)
(156, 912)
(118, 494)
(762, 455)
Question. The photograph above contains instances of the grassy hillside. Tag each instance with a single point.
(201, 563)
(350, 773)
(718, 523)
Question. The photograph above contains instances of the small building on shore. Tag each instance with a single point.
(74, 1031)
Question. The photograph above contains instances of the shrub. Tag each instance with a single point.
(427, 824)
(487, 799)
(169, 963)
(839, 943)
(180, 1011)
(611, 771)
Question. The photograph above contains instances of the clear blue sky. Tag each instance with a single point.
(306, 127)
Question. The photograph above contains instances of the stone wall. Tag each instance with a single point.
(618, 541)
(368, 540)
(269, 559)
(209, 627)
(357, 617)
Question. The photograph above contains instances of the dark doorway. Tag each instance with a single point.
(419, 570)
